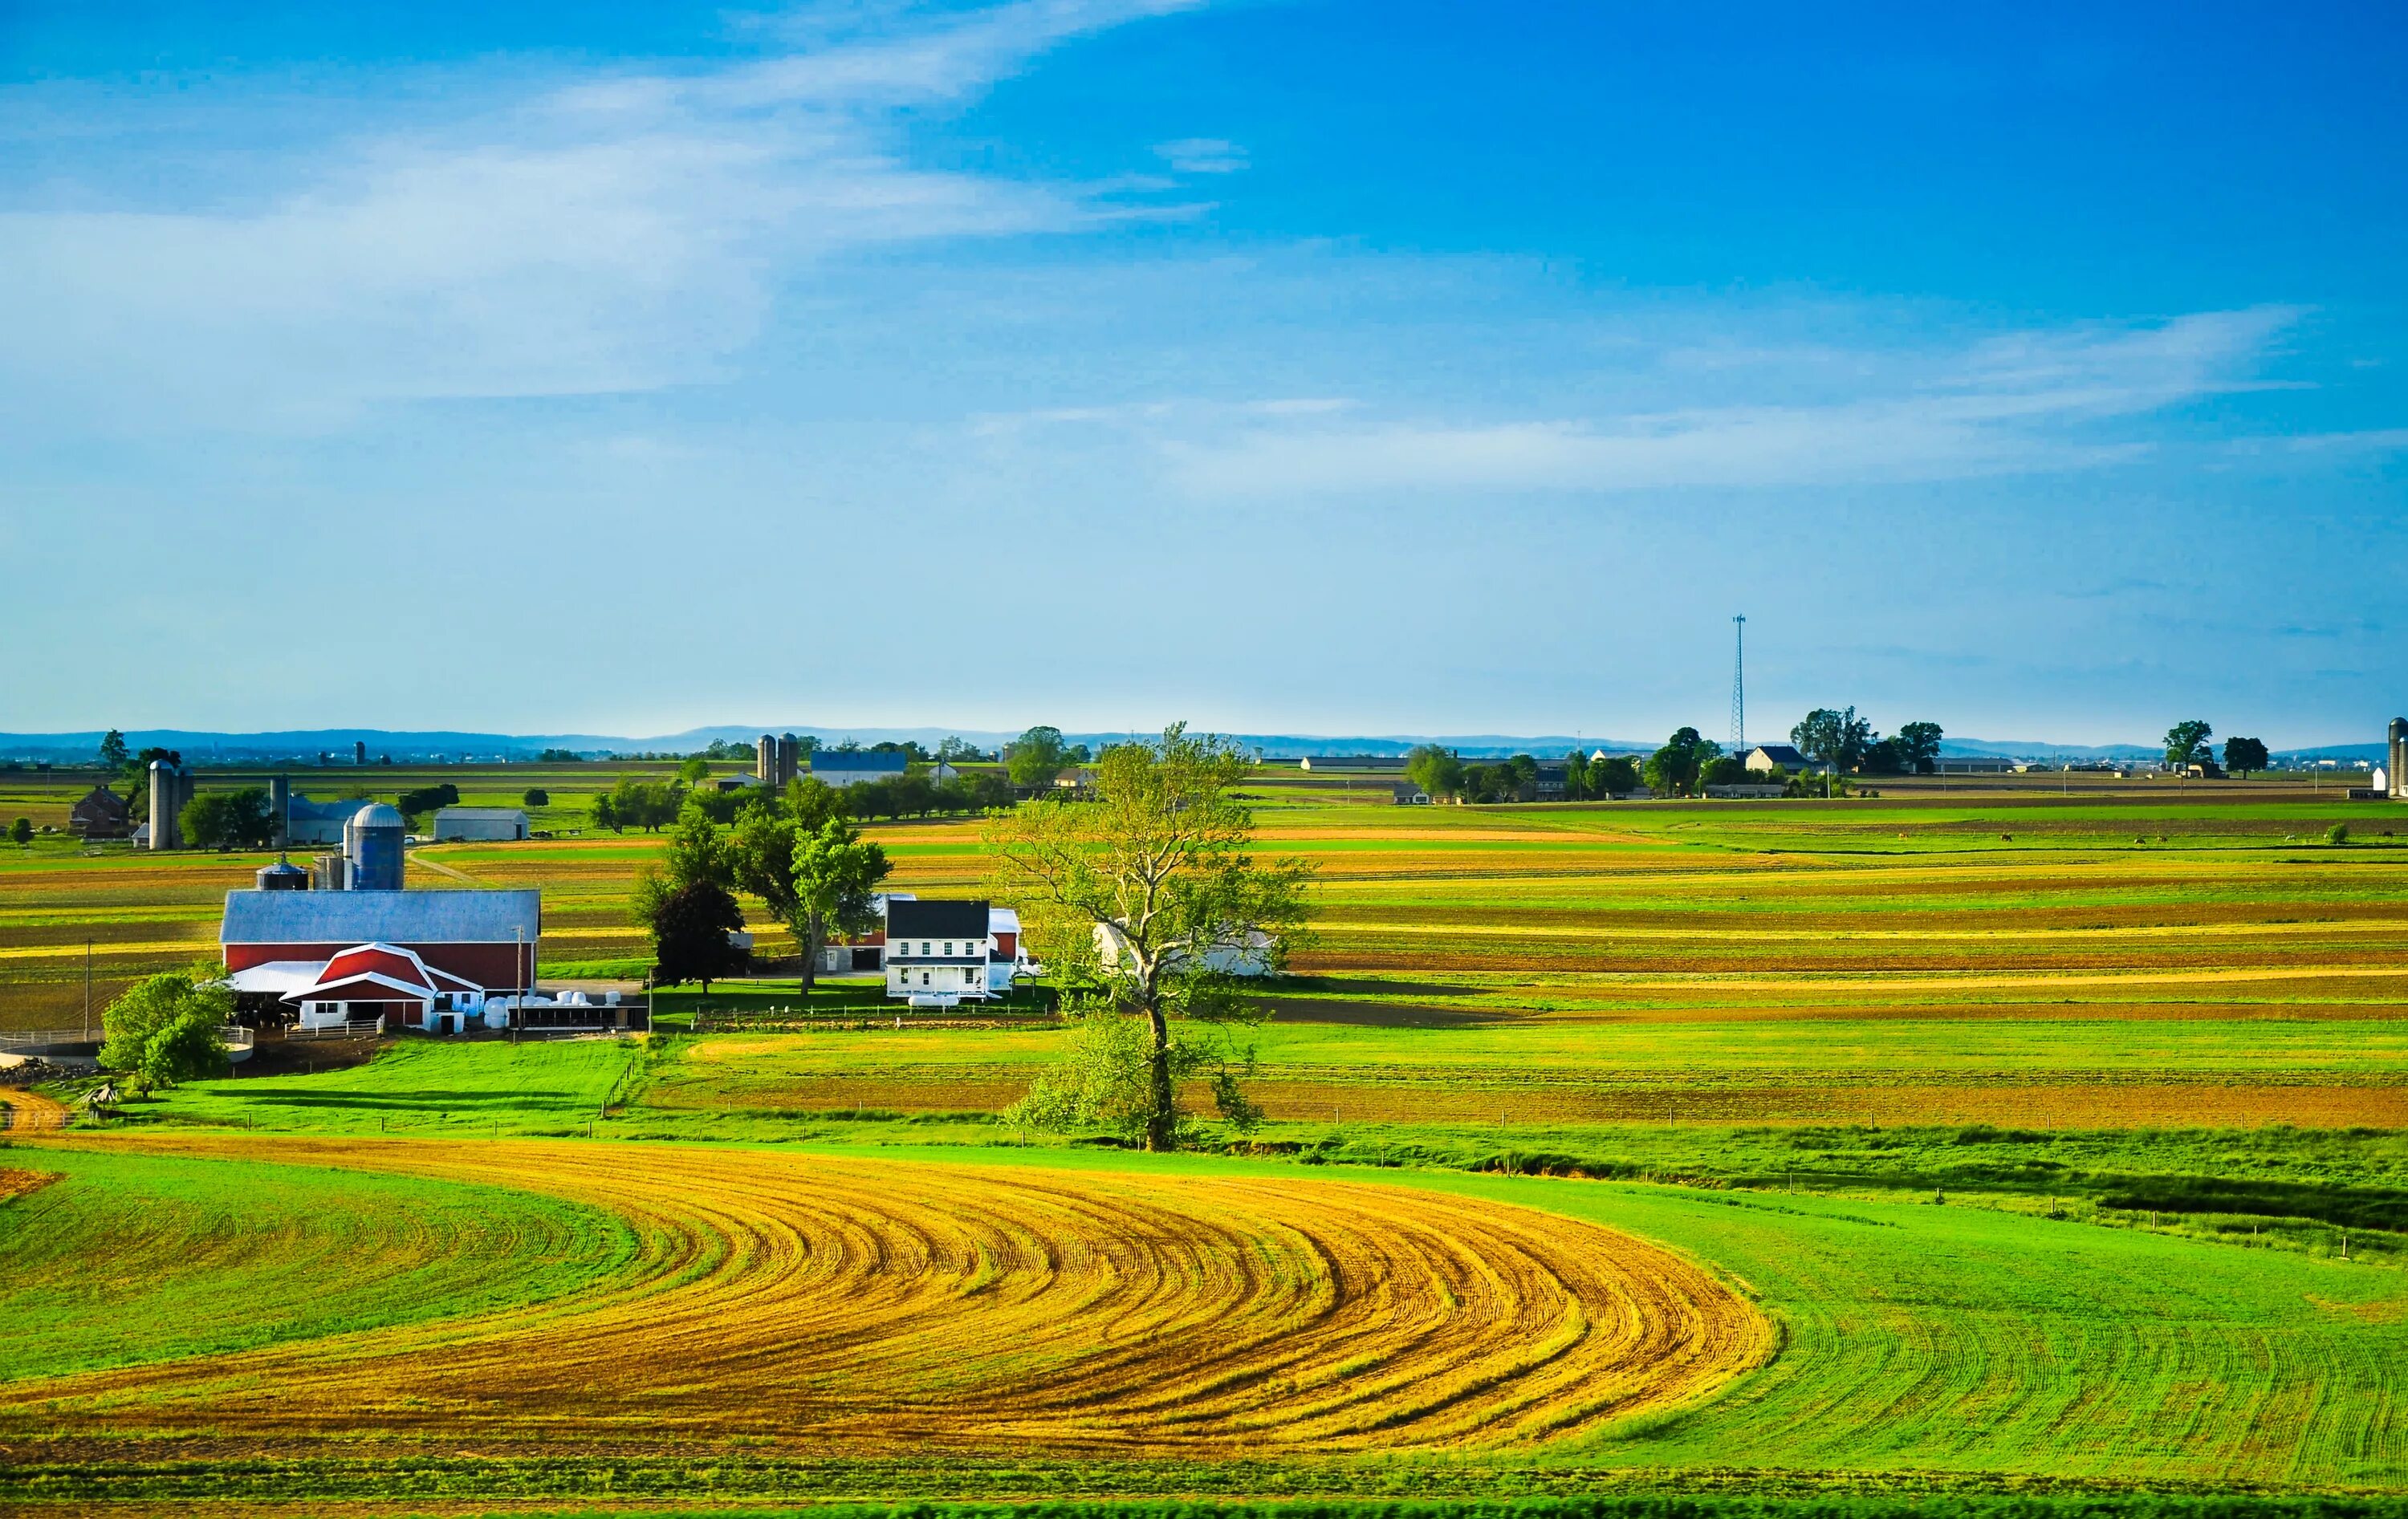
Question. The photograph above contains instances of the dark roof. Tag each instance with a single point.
(256, 917)
(100, 802)
(886, 761)
(1782, 754)
(926, 919)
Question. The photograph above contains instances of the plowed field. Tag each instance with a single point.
(872, 1305)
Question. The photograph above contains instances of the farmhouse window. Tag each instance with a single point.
(949, 947)
(969, 976)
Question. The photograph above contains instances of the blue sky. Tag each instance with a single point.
(1305, 367)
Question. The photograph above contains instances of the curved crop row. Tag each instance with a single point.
(878, 1305)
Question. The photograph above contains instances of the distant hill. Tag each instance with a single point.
(411, 746)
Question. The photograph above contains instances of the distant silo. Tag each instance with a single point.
(790, 759)
(280, 810)
(333, 873)
(283, 875)
(764, 760)
(358, 751)
(2399, 756)
(166, 800)
(372, 844)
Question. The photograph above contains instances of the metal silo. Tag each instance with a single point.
(790, 759)
(283, 875)
(372, 844)
(764, 760)
(166, 797)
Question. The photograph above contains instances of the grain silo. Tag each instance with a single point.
(283, 875)
(764, 760)
(166, 800)
(372, 844)
(2399, 756)
(790, 759)
(279, 810)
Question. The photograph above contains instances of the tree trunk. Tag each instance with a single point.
(815, 939)
(1162, 1122)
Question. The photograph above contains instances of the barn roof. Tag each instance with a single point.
(482, 814)
(449, 917)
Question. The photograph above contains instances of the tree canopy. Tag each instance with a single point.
(113, 752)
(166, 1028)
(1144, 902)
(1435, 770)
(1037, 756)
(1674, 768)
(2243, 755)
(227, 819)
(2186, 744)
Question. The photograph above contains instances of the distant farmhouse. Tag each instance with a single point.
(101, 813)
(1782, 757)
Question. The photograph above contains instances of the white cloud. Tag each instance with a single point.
(1202, 155)
(608, 232)
(2023, 403)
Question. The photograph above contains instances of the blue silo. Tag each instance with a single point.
(372, 842)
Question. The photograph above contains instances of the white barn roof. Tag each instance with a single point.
(465, 917)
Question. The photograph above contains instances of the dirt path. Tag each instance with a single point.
(22, 1110)
(870, 1305)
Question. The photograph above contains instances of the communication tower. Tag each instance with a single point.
(1739, 686)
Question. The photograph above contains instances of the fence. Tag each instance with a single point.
(358, 1029)
(26, 1040)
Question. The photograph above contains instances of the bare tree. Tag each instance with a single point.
(1146, 902)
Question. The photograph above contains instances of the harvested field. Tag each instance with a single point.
(870, 1305)
(22, 1110)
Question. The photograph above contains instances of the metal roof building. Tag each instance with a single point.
(480, 822)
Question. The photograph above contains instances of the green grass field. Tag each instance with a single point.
(2062, 1140)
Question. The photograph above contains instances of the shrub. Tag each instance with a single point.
(535, 797)
(2337, 833)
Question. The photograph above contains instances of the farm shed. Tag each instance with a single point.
(1973, 764)
(485, 938)
(479, 823)
(1353, 762)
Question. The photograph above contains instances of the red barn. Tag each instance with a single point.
(438, 949)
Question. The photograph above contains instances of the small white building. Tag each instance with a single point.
(1250, 958)
(483, 825)
(854, 767)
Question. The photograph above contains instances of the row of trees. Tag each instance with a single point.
(2187, 743)
(1844, 741)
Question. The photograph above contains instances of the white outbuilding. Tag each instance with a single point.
(479, 824)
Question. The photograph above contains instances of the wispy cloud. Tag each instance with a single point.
(1202, 155)
(622, 230)
(2026, 402)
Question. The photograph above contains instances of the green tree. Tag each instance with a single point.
(1036, 756)
(605, 813)
(1575, 777)
(1615, 774)
(113, 752)
(696, 771)
(1919, 744)
(957, 750)
(1673, 768)
(2243, 755)
(1160, 865)
(227, 819)
(534, 796)
(691, 925)
(697, 852)
(149, 1012)
(1437, 772)
(416, 803)
(834, 875)
(2186, 744)
(20, 832)
(1837, 738)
